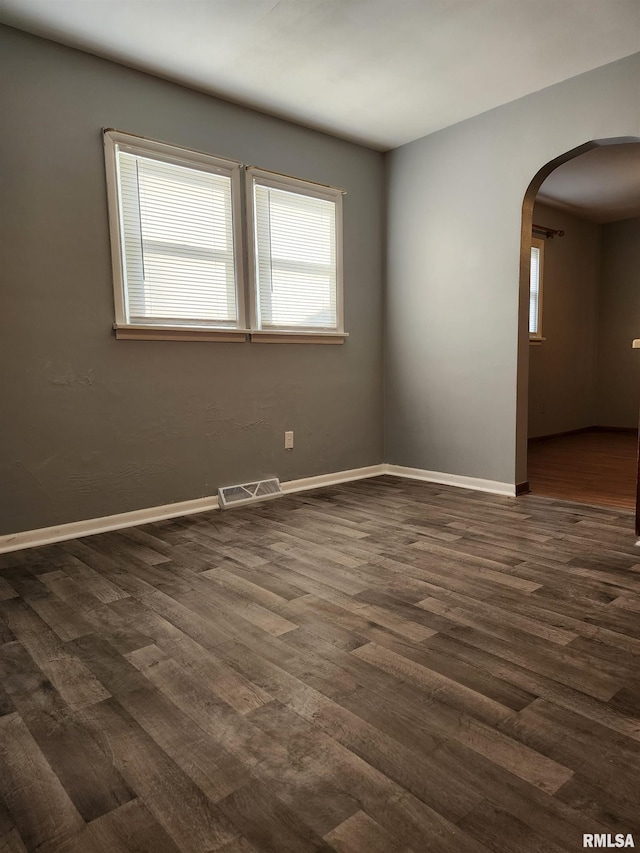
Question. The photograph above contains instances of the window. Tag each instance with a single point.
(178, 240)
(175, 240)
(535, 290)
(296, 255)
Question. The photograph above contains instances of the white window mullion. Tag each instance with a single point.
(131, 236)
(263, 254)
(234, 300)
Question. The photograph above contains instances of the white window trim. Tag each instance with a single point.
(293, 335)
(115, 141)
(537, 338)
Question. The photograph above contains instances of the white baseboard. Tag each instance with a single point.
(76, 529)
(92, 526)
(333, 479)
(495, 487)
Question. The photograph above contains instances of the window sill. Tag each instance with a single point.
(179, 333)
(293, 337)
(536, 341)
(133, 332)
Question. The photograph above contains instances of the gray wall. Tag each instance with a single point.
(618, 373)
(585, 372)
(562, 368)
(456, 328)
(92, 426)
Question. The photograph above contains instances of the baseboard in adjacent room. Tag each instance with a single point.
(615, 429)
(581, 430)
(559, 434)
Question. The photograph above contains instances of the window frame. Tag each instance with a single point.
(116, 141)
(537, 243)
(292, 334)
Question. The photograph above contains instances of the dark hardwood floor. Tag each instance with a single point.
(379, 667)
(594, 467)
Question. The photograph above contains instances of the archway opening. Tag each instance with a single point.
(578, 390)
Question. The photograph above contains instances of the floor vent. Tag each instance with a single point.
(249, 493)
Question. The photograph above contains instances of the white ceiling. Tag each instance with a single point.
(602, 185)
(381, 72)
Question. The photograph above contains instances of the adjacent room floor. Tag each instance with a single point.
(383, 666)
(593, 466)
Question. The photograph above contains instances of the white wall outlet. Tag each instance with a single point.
(288, 440)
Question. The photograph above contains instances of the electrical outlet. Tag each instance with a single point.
(288, 440)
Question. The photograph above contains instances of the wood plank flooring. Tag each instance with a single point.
(382, 667)
(594, 467)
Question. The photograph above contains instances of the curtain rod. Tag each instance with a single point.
(550, 233)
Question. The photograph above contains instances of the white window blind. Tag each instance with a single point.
(535, 291)
(178, 243)
(296, 259)
(176, 229)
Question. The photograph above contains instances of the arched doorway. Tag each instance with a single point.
(610, 150)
